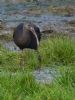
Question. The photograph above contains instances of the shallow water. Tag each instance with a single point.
(14, 13)
(52, 2)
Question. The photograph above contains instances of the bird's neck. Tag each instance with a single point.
(34, 33)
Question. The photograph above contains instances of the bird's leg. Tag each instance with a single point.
(39, 60)
(21, 60)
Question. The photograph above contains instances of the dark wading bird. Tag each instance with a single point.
(27, 36)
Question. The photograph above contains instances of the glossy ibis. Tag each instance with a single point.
(27, 36)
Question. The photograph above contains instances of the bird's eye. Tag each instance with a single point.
(31, 28)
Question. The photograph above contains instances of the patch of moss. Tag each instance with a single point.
(7, 37)
(36, 11)
(64, 10)
(72, 22)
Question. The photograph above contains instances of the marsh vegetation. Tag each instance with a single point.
(18, 83)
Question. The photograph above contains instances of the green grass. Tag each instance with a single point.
(19, 84)
(22, 86)
(58, 50)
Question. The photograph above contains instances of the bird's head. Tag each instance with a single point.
(30, 28)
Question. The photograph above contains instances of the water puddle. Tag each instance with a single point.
(46, 75)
